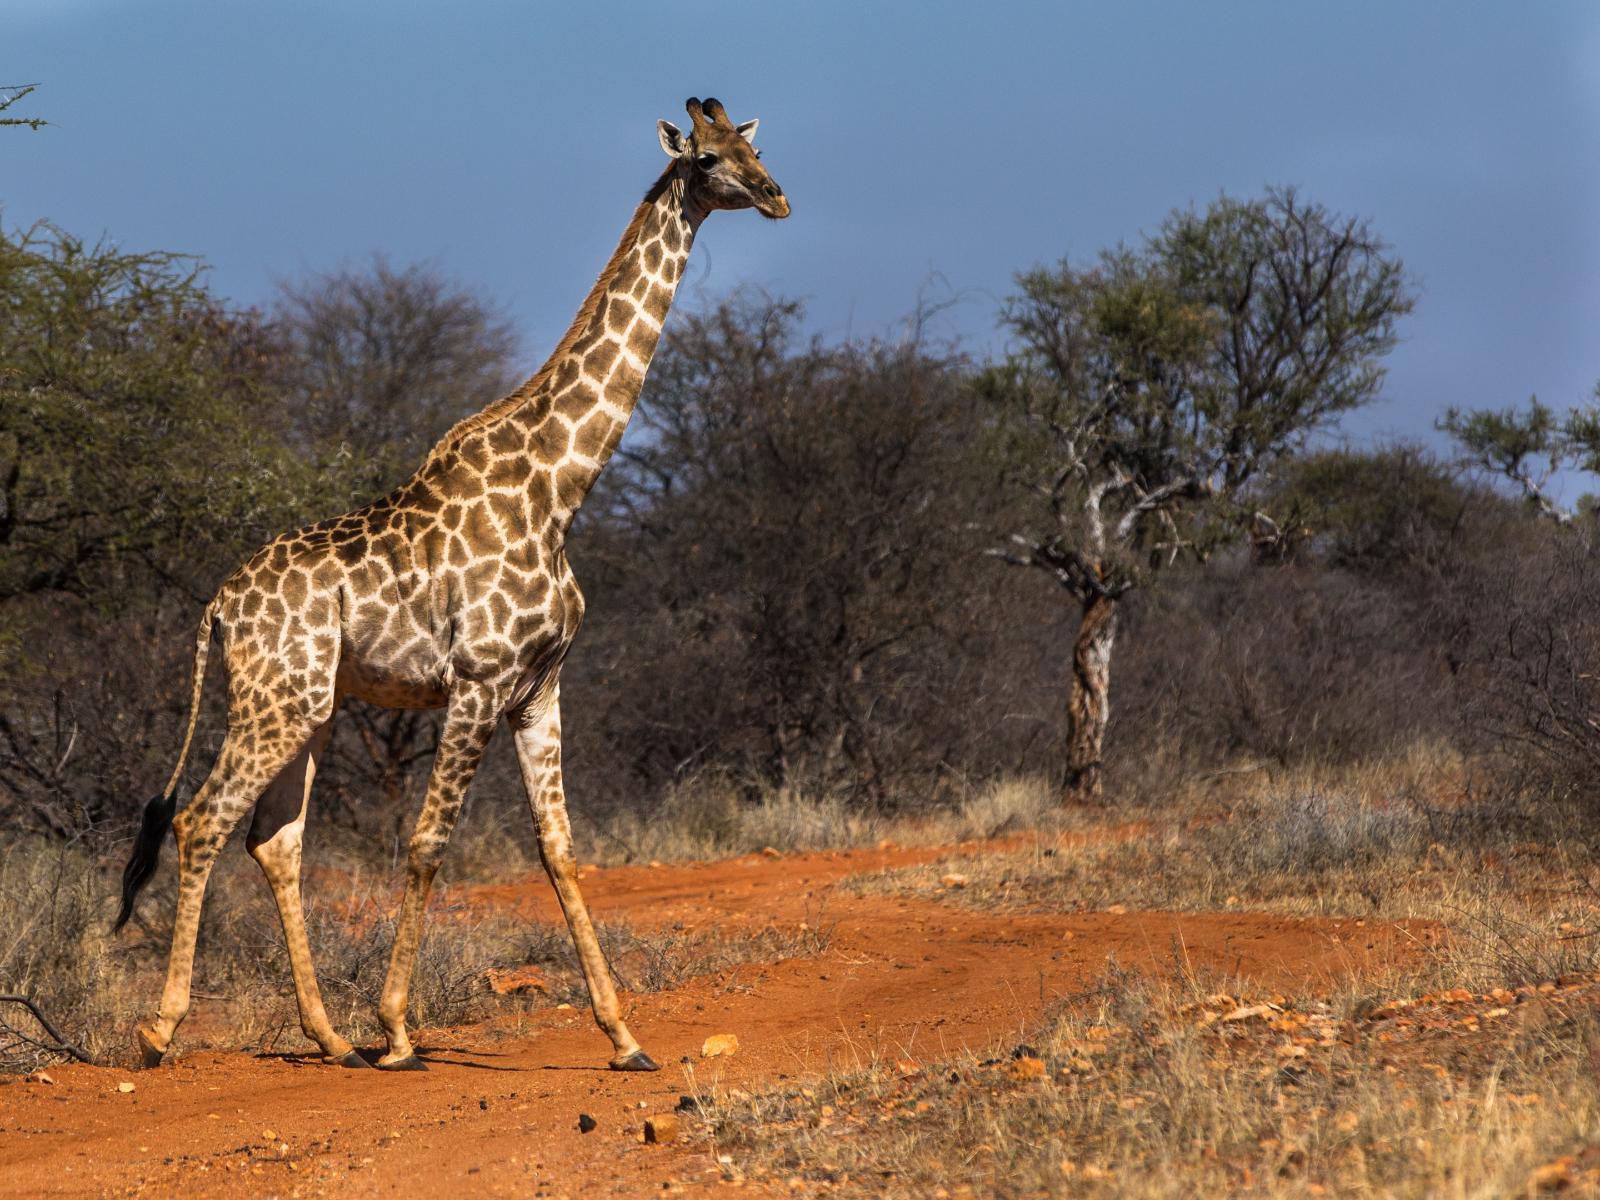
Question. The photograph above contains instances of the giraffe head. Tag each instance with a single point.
(721, 165)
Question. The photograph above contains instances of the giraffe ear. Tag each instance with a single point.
(748, 130)
(672, 139)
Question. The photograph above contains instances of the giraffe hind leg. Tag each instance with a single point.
(275, 838)
(248, 761)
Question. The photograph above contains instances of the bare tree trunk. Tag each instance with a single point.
(1089, 702)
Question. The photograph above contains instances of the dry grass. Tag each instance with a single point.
(709, 818)
(1146, 1089)
(1369, 844)
(54, 946)
(1471, 1074)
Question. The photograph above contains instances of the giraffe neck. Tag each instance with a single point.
(570, 416)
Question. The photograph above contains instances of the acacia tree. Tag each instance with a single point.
(1146, 392)
(12, 93)
(135, 470)
(1529, 447)
(131, 447)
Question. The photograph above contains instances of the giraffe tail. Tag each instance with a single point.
(159, 811)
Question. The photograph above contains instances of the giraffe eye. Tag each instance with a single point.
(706, 161)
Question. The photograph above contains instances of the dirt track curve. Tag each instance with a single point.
(497, 1113)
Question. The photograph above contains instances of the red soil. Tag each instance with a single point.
(497, 1112)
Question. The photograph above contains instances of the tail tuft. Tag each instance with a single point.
(146, 851)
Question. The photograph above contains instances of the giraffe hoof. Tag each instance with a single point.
(637, 1061)
(149, 1056)
(409, 1063)
(350, 1058)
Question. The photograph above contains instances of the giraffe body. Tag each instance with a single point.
(453, 591)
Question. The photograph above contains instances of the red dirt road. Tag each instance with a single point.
(497, 1113)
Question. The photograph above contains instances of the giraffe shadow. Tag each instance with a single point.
(451, 1056)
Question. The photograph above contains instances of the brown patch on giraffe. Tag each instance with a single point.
(473, 454)
(522, 555)
(572, 484)
(592, 435)
(576, 401)
(549, 442)
(620, 314)
(510, 472)
(351, 551)
(566, 374)
(480, 576)
(499, 612)
(510, 514)
(628, 377)
(626, 277)
(642, 342)
(599, 359)
(430, 546)
(508, 437)
(658, 303)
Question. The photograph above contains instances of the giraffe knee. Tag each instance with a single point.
(424, 856)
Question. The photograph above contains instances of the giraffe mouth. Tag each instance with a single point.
(774, 208)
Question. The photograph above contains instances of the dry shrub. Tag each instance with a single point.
(1288, 666)
(55, 947)
(1527, 647)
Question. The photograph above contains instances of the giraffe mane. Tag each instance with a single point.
(510, 403)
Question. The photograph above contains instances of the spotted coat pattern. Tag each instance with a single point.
(453, 591)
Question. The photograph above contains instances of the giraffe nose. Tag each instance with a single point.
(771, 190)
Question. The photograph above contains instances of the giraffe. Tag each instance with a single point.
(451, 592)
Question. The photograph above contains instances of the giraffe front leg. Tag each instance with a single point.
(275, 843)
(538, 740)
(468, 725)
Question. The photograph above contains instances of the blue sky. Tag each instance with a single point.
(927, 145)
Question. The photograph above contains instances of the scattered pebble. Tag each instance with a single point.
(658, 1130)
(719, 1044)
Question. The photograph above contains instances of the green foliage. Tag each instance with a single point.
(9, 95)
(1306, 303)
(1376, 512)
(130, 453)
(1509, 443)
(1143, 392)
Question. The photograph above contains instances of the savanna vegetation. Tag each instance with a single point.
(1344, 678)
